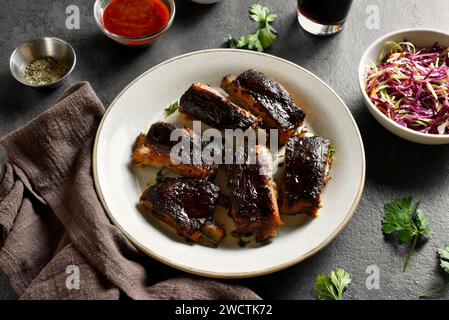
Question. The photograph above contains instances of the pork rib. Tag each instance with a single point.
(154, 150)
(267, 99)
(187, 205)
(305, 172)
(208, 105)
(253, 205)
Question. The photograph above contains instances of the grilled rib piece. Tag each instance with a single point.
(187, 205)
(306, 166)
(154, 150)
(267, 99)
(253, 205)
(208, 105)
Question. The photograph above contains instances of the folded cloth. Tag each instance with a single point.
(57, 240)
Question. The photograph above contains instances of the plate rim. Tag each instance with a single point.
(220, 275)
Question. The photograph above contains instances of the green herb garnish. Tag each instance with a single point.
(264, 36)
(235, 234)
(241, 242)
(160, 176)
(332, 150)
(332, 286)
(172, 108)
(443, 255)
(406, 221)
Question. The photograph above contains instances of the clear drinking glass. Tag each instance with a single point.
(323, 17)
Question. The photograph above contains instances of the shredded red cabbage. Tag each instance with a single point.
(411, 86)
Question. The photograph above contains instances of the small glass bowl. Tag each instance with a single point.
(100, 6)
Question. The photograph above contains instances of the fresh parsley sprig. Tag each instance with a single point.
(264, 36)
(160, 176)
(443, 255)
(332, 286)
(332, 150)
(407, 222)
(172, 108)
(241, 241)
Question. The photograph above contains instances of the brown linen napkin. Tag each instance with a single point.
(54, 225)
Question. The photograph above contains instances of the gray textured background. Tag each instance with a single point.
(394, 167)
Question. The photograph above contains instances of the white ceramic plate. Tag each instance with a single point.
(119, 184)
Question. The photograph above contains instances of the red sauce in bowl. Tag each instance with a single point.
(135, 18)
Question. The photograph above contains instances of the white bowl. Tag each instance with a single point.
(420, 38)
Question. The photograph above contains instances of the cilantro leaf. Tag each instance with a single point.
(397, 217)
(251, 42)
(267, 36)
(406, 221)
(232, 42)
(422, 223)
(243, 243)
(258, 12)
(261, 14)
(160, 176)
(332, 150)
(445, 265)
(444, 257)
(325, 290)
(235, 234)
(263, 37)
(172, 108)
(443, 254)
(239, 236)
(332, 286)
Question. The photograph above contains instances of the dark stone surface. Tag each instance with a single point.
(394, 167)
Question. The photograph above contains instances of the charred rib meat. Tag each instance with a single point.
(208, 105)
(154, 150)
(267, 99)
(187, 205)
(307, 162)
(253, 204)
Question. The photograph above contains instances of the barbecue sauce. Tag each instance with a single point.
(136, 18)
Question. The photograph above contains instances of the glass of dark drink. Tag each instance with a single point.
(323, 17)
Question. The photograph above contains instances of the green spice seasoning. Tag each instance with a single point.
(45, 71)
